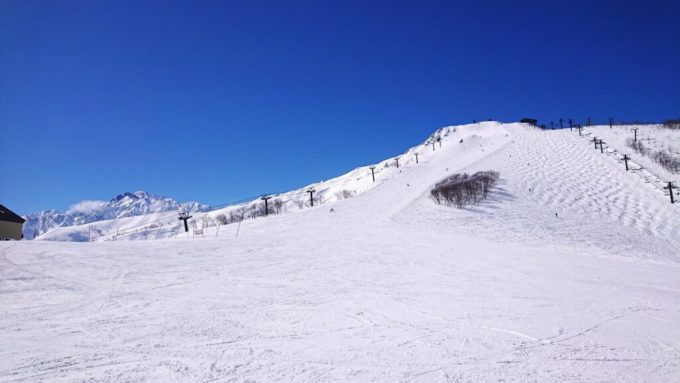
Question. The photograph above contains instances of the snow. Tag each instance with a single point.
(76, 223)
(355, 182)
(387, 287)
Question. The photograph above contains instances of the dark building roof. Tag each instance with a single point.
(9, 216)
(529, 120)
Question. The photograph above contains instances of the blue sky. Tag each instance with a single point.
(217, 101)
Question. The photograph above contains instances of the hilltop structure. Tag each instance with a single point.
(530, 121)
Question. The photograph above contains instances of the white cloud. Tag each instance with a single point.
(86, 207)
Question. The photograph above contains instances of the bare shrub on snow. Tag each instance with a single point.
(344, 194)
(235, 216)
(277, 206)
(666, 160)
(301, 203)
(255, 211)
(207, 221)
(463, 189)
(672, 164)
(638, 146)
(672, 123)
(222, 219)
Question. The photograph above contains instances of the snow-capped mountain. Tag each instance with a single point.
(128, 204)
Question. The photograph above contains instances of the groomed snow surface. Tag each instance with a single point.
(388, 287)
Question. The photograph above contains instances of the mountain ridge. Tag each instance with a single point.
(127, 204)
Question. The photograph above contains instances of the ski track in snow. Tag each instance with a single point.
(389, 287)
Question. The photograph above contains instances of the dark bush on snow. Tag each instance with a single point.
(637, 146)
(255, 211)
(277, 206)
(672, 124)
(666, 160)
(464, 189)
(672, 164)
(235, 216)
(222, 219)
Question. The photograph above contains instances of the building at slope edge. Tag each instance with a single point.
(11, 225)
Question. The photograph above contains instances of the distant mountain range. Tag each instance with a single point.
(124, 205)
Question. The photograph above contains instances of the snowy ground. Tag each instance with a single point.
(388, 287)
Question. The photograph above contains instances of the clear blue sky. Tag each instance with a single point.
(216, 101)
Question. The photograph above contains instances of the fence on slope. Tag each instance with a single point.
(666, 187)
(159, 228)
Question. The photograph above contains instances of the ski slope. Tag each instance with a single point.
(357, 181)
(387, 287)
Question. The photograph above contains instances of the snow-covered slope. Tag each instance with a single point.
(353, 183)
(569, 272)
(653, 137)
(125, 205)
